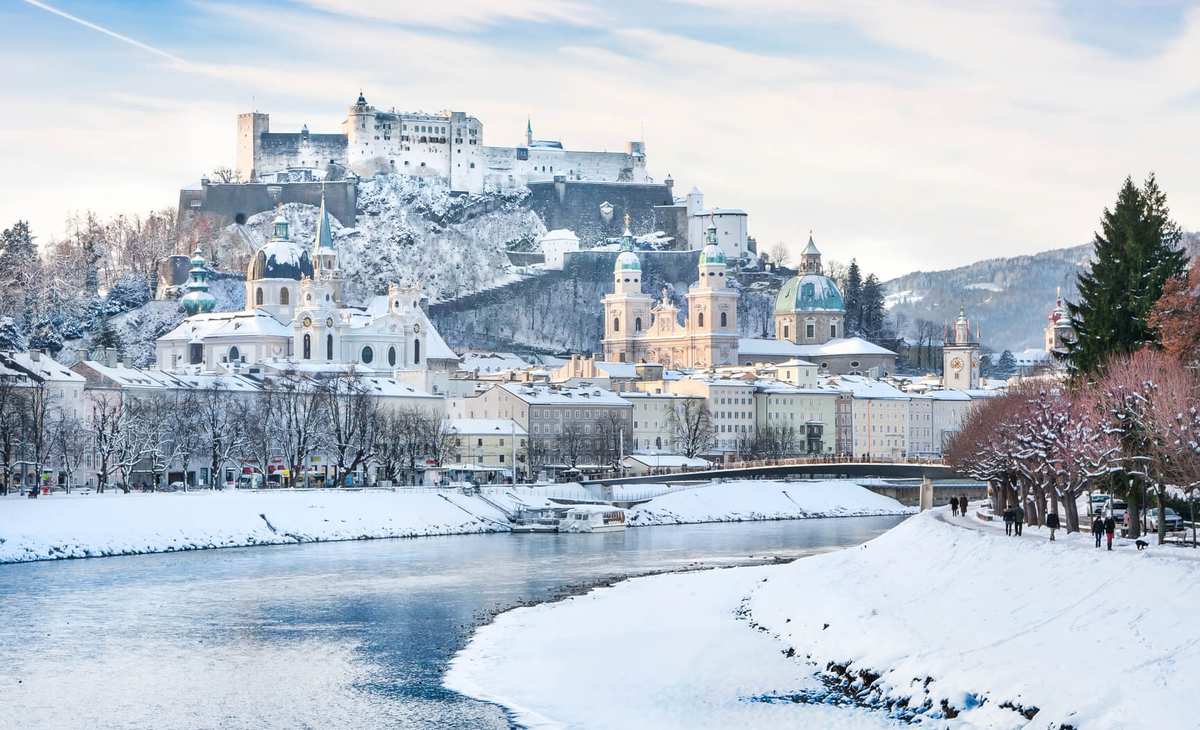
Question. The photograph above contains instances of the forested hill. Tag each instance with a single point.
(1008, 297)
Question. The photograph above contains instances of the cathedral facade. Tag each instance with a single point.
(296, 317)
(638, 329)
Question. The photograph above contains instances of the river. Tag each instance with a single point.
(351, 634)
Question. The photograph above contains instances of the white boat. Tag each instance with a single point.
(592, 518)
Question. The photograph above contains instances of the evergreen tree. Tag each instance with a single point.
(1135, 253)
(1006, 366)
(871, 312)
(12, 337)
(852, 296)
(19, 265)
(107, 336)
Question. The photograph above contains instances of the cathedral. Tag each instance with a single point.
(296, 316)
(638, 329)
(809, 309)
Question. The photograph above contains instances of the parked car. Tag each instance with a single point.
(1116, 508)
(1098, 500)
(1173, 521)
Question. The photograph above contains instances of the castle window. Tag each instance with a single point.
(700, 319)
(367, 355)
(810, 330)
(724, 320)
(785, 332)
(307, 347)
(616, 324)
(233, 354)
(637, 324)
(329, 347)
(832, 329)
(416, 352)
(283, 296)
(392, 356)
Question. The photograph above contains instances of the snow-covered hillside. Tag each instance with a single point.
(408, 230)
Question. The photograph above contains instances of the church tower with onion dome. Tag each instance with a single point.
(627, 309)
(197, 300)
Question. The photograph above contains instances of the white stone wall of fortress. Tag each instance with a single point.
(316, 152)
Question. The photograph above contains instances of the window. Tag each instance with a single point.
(234, 354)
(724, 321)
(637, 324)
(810, 330)
(832, 330)
(617, 322)
(258, 297)
(328, 347)
(367, 355)
(785, 332)
(283, 296)
(392, 356)
(700, 319)
(307, 347)
(416, 352)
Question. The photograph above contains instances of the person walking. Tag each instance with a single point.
(954, 506)
(1097, 529)
(1052, 523)
(1008, 520)
(962, 504)
(1110, 528)
(1018, 520)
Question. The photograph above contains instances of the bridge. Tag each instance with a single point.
(798, 468)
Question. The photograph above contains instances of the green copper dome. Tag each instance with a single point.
(809, 293)
(712, 254)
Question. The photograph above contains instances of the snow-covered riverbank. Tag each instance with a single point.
(95, 525)
(745, 500)
(938, 609)
(129, 524)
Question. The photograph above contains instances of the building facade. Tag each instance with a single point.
(638, 330)
(446, 145)
(960, 356)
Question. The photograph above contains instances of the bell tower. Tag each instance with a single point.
(627, 309)
(960, 356)
(712, 309)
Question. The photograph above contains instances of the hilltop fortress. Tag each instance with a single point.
(448, 145)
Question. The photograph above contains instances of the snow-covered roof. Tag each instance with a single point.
(796, 362)
(840, 346)
(727, 211)
(255, 323)
(130, 378)
(867, 389)
(492, 362)
(548, 395)
(485, 427)
(44, 368)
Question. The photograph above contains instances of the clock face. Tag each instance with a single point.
(329, 321)
(308, 321)
(956, 363)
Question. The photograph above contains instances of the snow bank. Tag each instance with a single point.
(740, 501)
(661, 652)
(1094, 639)
(125, 524)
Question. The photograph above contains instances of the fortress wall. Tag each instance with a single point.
(279, 151)
(576, 205)
(228, 201)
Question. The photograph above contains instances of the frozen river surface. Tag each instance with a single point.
(352, 634)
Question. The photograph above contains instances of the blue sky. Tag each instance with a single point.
(907, 135)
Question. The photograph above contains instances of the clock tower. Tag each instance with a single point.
(960, 356)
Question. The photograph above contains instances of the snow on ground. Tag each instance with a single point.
(660, 652)
(942, 609)
(1095, 639)
(61, 526)
(738, 501)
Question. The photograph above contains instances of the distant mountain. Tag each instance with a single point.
(1008, 297)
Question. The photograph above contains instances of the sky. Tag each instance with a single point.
(914, 135)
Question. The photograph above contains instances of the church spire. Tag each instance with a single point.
(528, 131)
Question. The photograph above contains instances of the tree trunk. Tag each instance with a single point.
(1072, 514)
(1162, 518)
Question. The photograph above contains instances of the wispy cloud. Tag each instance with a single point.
(462, 15)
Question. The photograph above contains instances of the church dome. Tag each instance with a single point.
(712, 254)
(628, 261)
(280, 260)
(809, 293)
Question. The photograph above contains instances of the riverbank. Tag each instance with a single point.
(98, 525)
(941, 617)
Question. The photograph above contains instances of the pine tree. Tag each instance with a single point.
(871, 317)
(107, 337)
(852, 296)
(1006, 366)
(1135, 253)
